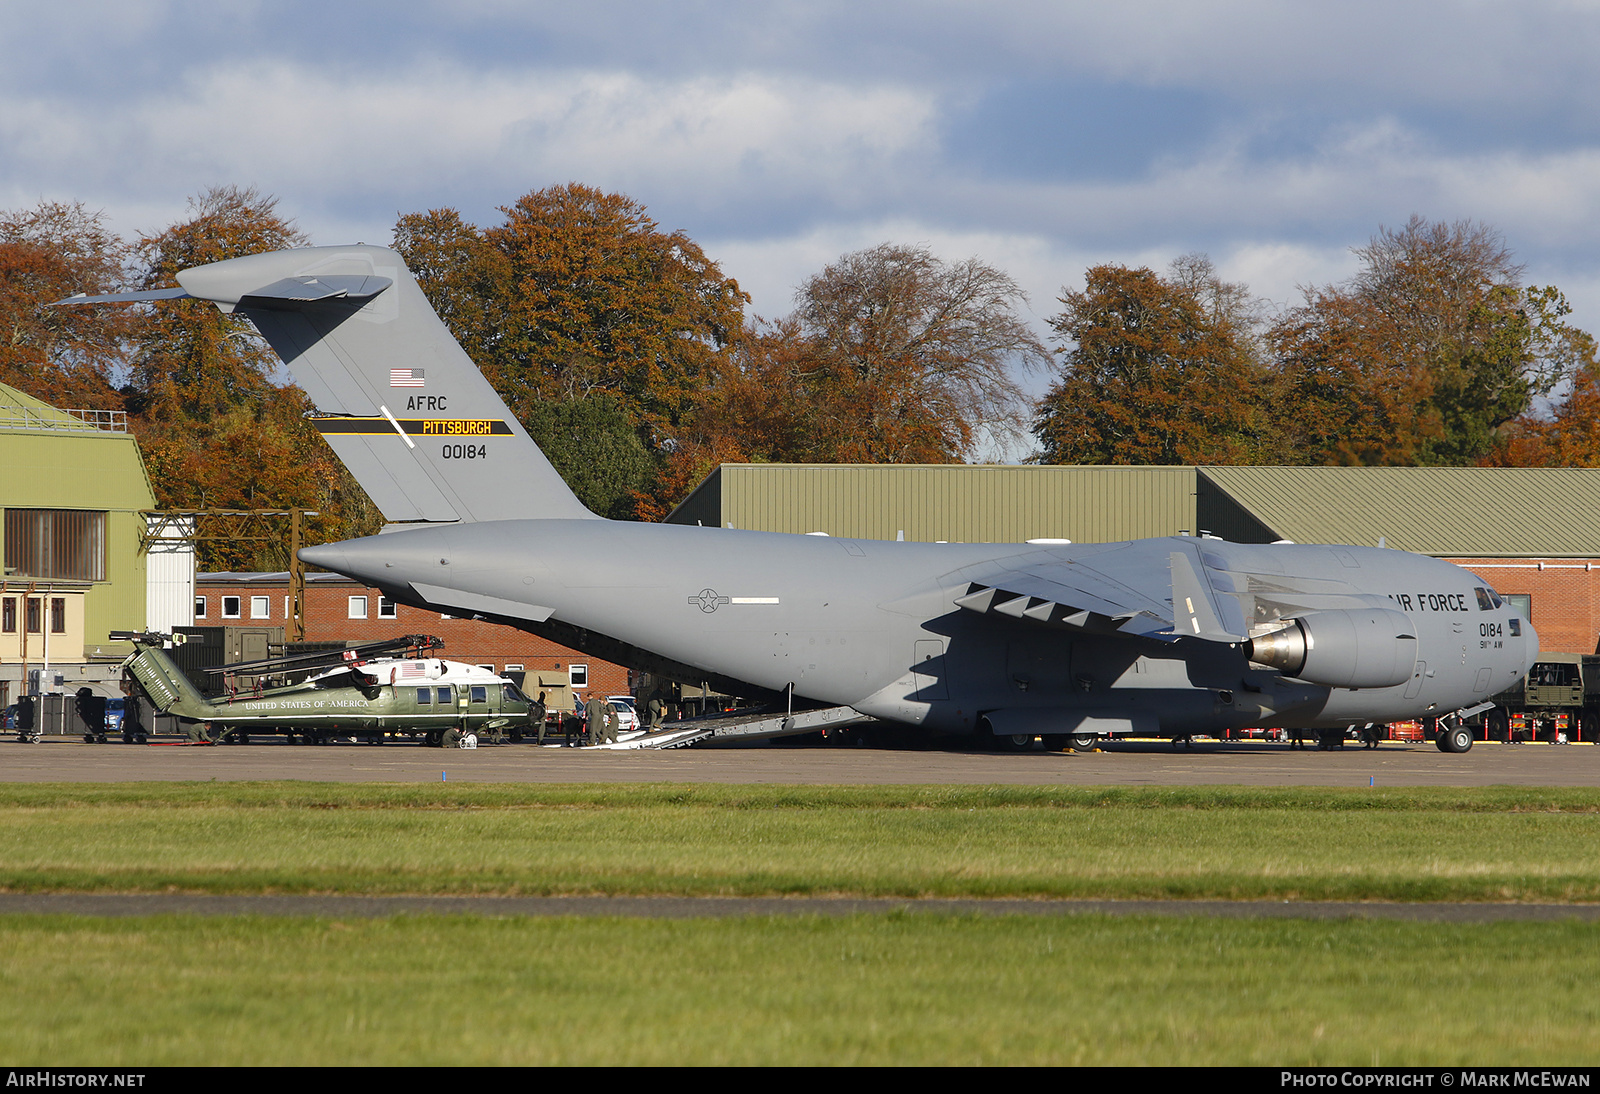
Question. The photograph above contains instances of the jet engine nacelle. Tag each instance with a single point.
(1359, 648)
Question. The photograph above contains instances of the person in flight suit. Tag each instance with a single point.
(595, 712)
(573, 721)
(536, 714)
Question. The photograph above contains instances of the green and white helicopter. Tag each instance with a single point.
(374, 691)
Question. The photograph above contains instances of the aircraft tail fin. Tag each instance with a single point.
(169, 689)
(397, 399)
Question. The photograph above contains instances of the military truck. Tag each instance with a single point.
(556, 687)
(1560, 696)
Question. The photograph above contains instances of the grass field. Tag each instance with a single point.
(894, 988)
(903, 988)
(1304, 844)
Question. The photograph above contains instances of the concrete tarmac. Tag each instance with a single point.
(1123, 764)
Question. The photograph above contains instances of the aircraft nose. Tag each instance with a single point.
(330, 556)
(380, 560)
(1530, 647)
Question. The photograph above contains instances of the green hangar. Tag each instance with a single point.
(72, 490)
(1532, 533)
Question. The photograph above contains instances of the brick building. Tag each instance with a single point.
(1560, 596)
(256, 607)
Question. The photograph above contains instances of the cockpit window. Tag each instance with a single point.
(1488, 599)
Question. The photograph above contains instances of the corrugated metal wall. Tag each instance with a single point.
(956, 503)
(1443, 511)
(169, 579)
(1479, 512)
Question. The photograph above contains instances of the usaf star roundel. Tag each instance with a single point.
(708, 600)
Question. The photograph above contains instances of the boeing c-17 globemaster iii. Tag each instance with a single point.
(1172, 637)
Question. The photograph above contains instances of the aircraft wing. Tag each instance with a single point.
(1171, 598)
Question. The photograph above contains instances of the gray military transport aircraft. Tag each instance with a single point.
(1168, 637)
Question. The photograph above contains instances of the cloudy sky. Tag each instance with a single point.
(1042, 137)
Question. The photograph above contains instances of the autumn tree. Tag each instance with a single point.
(576, 298)
(215, 425)
(761, 406)
(595, 446)
(1154, 371)
(466, 279)
(1337, 395)
(195, 364)
(577, 291)
(1568, 437)
(68, 357)
(1425, 354)
(913, 355)
(891, 356)
(1566, 434)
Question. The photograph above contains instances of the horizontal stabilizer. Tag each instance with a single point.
(126, 297)
(327, 287)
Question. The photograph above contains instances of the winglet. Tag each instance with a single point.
(1192, 612)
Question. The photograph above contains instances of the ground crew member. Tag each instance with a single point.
(573, 722)
(133, 730)
(92, 712)
(595, 711)
(27, 732)
(536, 714)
